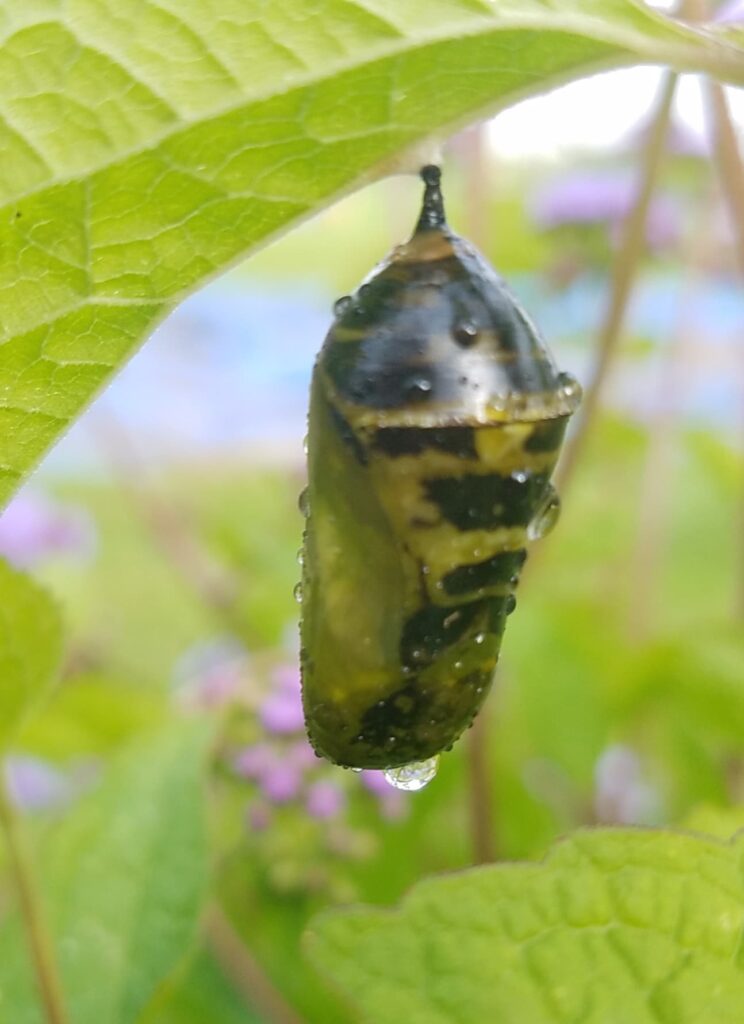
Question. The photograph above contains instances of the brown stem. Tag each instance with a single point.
(730, 168)
(39, 939)
(245, 972)
(728, 161)
(625, 270)
(480, 792)
(673, 376)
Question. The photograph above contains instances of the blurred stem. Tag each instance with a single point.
(656, 484)
(480, 791)
(730, 168)
(479, 193)
(728, 161)
(624, 273)
(39, 939)
(245, 972)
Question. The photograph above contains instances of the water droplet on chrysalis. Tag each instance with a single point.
(466, 334)
(340, 306)
(546, 516)
(300, 556)
(304, 444)
(418, 387)
(297, 592)
(303, 502)
(414, 776)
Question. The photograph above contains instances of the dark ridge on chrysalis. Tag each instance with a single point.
(432, 211)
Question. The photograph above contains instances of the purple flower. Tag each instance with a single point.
(209, 674)
(325, 800)
(281, 712)
(621, 794)
(602, 198)
(731, 12)
(33, 528)
(281, 783)
(302, 755)
(254, 762)
(393, 803)
(36, 785)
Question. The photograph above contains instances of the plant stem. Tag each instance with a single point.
(39, 939)
(624, 273)
(245, 972)
(480, 792)
(728, 161)
(730, 168)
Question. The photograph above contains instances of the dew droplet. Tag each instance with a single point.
(418, 387)
(304, 444)
(340, 306)
(300, 556)
(297, 592)
(511, 604)
(356, 770)
(303, 502)
(546, 516)
(414, 776)
(466, 333)
(520, 476)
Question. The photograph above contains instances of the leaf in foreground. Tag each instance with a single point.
(123, 881)
(615, 926)
(30, 648)
(149, 146)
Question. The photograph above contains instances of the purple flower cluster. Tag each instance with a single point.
(209, 674)
(622, 795)
(34, 528)
(286, 769)
(602, 197)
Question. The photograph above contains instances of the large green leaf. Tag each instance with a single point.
(147, 146)
(123, 881)
(30, 648)
(614, 927)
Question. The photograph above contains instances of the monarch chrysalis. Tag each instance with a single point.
(436, 419)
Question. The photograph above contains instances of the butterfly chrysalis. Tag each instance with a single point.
(436, 419)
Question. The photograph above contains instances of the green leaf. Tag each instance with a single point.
(615, 926)
(30, 648)
(91, 715)
(722, 822)
(203, 995)
(149, 146)
(123, 881)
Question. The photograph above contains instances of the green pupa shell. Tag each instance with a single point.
(436, 419)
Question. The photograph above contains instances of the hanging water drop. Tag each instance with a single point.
(300, 556)
(466, 334)
(297, 592)
(418, 387)
(303, 502)
(340, 306)
(546, 516)
(304, 444)
(414, 776)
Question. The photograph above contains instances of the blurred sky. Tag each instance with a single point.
(597, 112)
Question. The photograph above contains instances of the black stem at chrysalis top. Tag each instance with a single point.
(432, 212)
